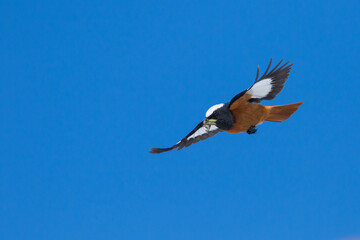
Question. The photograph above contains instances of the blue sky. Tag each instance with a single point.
(87, 87)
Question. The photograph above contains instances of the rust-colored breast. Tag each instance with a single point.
(246, 114)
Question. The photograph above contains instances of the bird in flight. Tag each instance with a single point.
(243, 113)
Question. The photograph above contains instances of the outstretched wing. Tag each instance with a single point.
(267, 86)
(199, 133)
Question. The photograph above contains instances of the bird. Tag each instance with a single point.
(243, 113)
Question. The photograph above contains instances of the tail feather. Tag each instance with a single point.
(282, 112)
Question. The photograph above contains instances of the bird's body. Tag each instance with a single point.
(247, 114)
(243, 113)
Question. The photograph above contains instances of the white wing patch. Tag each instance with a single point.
(213, 109)
(261, 89)
(202, 131)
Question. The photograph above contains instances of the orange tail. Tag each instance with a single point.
(282, 112)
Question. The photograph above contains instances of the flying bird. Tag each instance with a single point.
(243, 113)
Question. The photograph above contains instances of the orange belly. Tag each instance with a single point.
(246, 115)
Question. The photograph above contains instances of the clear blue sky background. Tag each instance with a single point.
(87, 87)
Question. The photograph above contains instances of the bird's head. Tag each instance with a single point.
(220, 116)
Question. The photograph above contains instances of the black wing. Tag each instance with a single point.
(269, 85)
(199, 133)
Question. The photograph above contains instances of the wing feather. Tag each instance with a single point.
(268, 85)
(197, 134)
